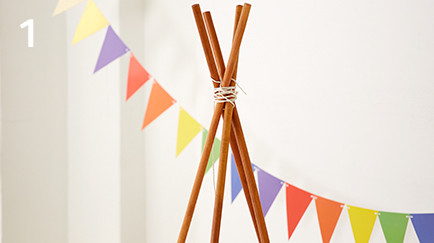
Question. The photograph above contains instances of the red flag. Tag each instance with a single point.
(297, 202)
(137, 76)
(328, 215)
(159, 101)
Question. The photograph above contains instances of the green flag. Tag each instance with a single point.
(394, 226)
(215, 152)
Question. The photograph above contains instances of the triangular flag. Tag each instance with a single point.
(137, 76)
(91, 21)
(328, 215)
(297, 202)
(159, 101)
(424, 227)
(362, 223)
(111, 49)
(63, 5)
(188, 128)
(394, 226)
(269, 187)
(215, 151)
(235, 179)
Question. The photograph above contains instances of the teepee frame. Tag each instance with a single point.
(224, 76)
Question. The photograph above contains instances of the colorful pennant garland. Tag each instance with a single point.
(137, 76)
(297, 201)
(159, 101)
(188, 128)
(328, 215)
(268, 186)
(394, 226)
(235, 180)
(91, 21)
(63, 5)
(215, 150)
(362, 222)
(112, 49)
(424, 226)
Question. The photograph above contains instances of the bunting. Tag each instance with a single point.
(215, 151)
(112, 49)
(424, 226)
(63, 5)
(394, 226)
(188, 128)
(328, 215)
(159, 101)
(362, 222)
(91, 21)
(235, 180)
(269, 187)
(297, 202)
(137, 76)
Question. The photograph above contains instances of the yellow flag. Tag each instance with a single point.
(188, 128)
(63, 5)
(91, 21)
(362, 222)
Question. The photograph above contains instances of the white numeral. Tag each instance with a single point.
(28, 23)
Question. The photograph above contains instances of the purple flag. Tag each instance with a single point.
(235, 179)
(112, 48)
(424, 226)
(269, 187)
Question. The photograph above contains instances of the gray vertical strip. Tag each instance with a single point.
(132, 138)
(33, 98)
(1, 147)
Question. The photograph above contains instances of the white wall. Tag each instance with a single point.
(93, 136)
(339, 103)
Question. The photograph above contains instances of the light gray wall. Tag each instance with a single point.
(133, 165)
(93, 135)
(33, 98)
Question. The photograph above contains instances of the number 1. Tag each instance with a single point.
(28, 23)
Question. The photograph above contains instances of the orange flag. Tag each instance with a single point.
(328, 215)
(159, 101)
(137, 76)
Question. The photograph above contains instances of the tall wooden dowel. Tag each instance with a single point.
(211, 133)
(221, 176)
(208, 144)
(245, 158)
(250, 188)
(220, 64)
(227, 123)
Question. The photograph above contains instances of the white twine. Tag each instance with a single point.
(233, 80)
(225, 94)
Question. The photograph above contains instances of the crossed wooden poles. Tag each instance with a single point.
(224, 76)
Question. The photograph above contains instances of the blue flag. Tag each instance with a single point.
(424, 226)
(235, 179)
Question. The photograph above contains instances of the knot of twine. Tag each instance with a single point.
(225, 94)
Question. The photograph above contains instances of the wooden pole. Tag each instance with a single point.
(207, 148)
(214, 122)
(227, 123)
(220, 64)
(250, 186)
